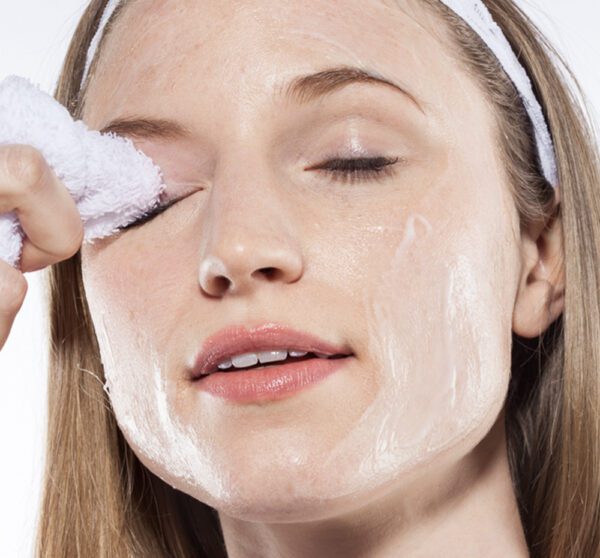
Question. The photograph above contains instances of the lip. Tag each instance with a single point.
(235, 340)
(269, 383)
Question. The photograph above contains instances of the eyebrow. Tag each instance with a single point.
(147, 128)
(302, 89)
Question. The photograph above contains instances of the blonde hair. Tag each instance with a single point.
(100, 501)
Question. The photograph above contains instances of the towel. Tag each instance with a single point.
(111, 181)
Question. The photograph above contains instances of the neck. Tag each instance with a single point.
(468, 510)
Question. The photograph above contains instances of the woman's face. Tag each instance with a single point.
(415, 270)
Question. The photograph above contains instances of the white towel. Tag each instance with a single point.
(111, 181)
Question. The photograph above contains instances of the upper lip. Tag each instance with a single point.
(236, 340)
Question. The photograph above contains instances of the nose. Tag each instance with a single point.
(249, 235)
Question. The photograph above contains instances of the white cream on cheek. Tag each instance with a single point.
(441, 349)
(442, 336)
(143, 406)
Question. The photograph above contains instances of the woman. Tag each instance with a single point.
(357, 189)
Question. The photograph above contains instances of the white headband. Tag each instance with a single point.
(478, 17)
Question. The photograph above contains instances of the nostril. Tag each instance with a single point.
(221, 283)
(270, 272)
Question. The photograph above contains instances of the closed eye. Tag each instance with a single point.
(148, 215)
(359, 169)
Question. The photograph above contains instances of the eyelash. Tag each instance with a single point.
(149, 215)
(346, 171)
(359, 169)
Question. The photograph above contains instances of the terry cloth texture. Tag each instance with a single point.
(111, 181)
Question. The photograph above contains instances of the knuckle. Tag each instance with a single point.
(74, 243)
(66, 248)
(25, 166)
(12, 293)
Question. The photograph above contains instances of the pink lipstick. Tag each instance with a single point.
(236, 363)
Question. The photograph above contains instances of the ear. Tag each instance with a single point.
(541, 294)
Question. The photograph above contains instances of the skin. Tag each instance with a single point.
(424, 274)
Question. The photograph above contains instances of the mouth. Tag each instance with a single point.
(238, 366)
(239, 349)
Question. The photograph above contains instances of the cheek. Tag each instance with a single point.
(136, 299)
(140, 280)
(136, 319)
(439, 321)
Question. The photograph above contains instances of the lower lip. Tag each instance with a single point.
(269, 383)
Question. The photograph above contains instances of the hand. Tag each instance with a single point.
(48, 216)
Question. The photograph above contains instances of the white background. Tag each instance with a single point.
(34, 35)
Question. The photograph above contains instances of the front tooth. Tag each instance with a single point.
(298, 353)
(248, 359)
(225, 364)
(271, 356)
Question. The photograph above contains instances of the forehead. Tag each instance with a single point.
(160, 46)
(375, 21)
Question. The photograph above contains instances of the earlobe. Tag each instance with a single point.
(536, 308)
(541, 294)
